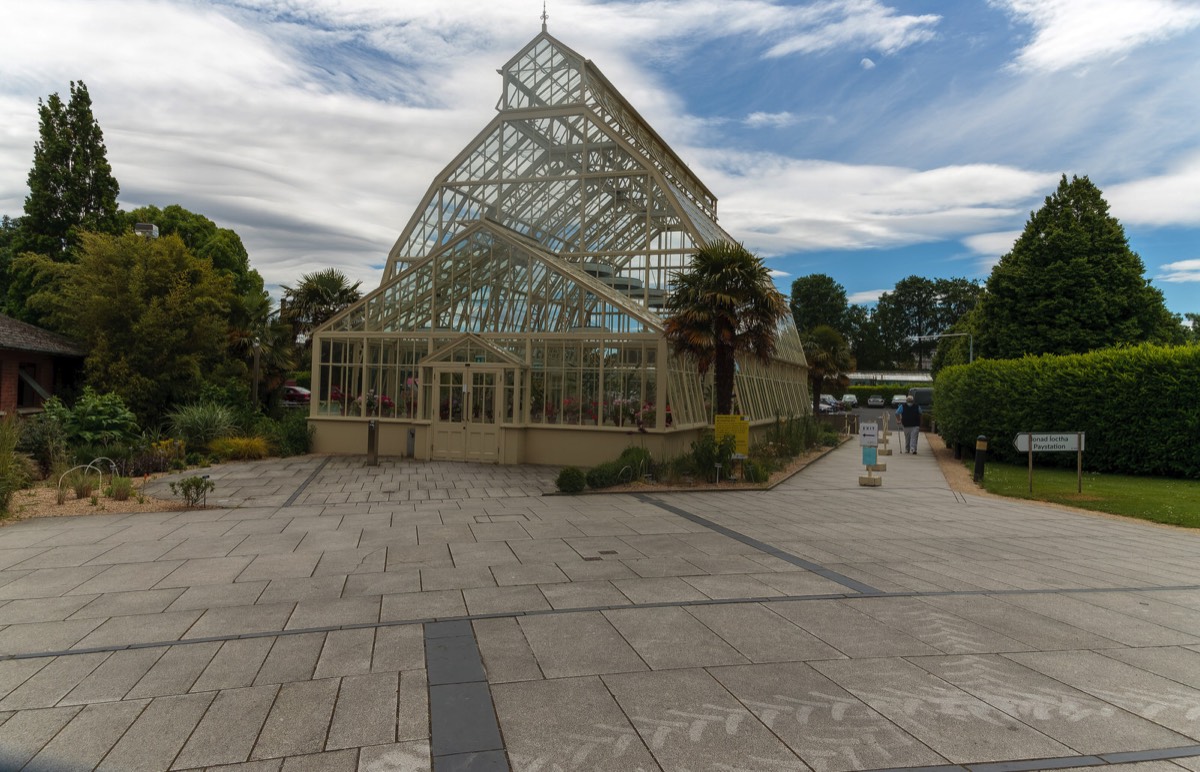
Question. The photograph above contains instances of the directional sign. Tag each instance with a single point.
(1048, 441)
(868, 435)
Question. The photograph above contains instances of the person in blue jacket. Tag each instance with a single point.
(910, 420)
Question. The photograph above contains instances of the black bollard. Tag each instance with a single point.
(372, 443)
(981, 443)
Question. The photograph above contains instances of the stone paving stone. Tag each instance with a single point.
(595, 570)
(127, 577)
(303, 589)
(669, 638)
(462, 719)
(53, 682)
(583, 595)
(822, 723)
(299, 720)
(456, 578)
(422, 605)
(365, 713)
(14, 672)
(48, 582)
(355, 561)
(541, 551)
(205, 571)
(235, 665)
(1110, 624)
(760, 635)
(37, 637)
(505, 651)
(494, 600)
(1145, 606)
(711, 730)
(267, 544)
(378, 583)
(23, 735)
(1078, 720)
(346, 652)
(229, 729)
(850, 631)
(398, 647)
(412, 706)
(578, 644)
(63, 557)
(16, 612)
(487, 553)
(332, 613)
(11, 557)
(334, 761)
(1144, 694)
(203, 547)
(799, 583)
(541, 722)
(292, 658)
(429, 533)
(158, 733)
(116, 604)
(726, 586)
(321, 541)
(527, 573)
(667, 589)
(239, 620)
(217, 595)
(397, 756)
(175, 671)
(114, 677)
(654, 568)
(88, 737)
(139, 628)
(1173, 662)
(946, 632)
(1032, 629)
(932, 711)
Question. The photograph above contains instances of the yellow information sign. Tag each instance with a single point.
(736, 426)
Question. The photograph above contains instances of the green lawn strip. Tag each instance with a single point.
(1161, 499)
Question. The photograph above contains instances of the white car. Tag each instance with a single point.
(849, 401)
(899, 399)
(875, 400)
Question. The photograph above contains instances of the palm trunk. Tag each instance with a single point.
(723, 377)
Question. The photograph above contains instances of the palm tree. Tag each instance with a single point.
(316, 299)
(828, 356)
(724, 304)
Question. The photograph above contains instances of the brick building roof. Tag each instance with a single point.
(25, 337)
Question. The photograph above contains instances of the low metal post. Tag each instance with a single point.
(981, 443)
(372, 443)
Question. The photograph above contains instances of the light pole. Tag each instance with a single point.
(257, 345)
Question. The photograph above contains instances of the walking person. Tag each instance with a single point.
(910, 420)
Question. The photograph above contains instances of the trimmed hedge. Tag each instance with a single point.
(1139, 405)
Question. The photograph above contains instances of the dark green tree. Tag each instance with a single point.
(1191, 328)
(71, 185)
(829, 359)
(817, 299)
(867, 343)
(1071, 284)
(724, 304)
(222, 246)
(317, 298)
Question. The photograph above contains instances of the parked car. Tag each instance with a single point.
(875, 400)
(296, 396)
(899, 399)
(923, 396)
(832, 402)
(849, 401)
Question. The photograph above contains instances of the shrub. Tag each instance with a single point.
(14, 466)
(295, 435)
(754, 472)
(120, 489)
(707, 452)
(194, 490)
(239, 448)
(571, 479)
(44, 438)
(639, 460)
(82, 481)
(95, 419)
(606, 475)
(200, 423)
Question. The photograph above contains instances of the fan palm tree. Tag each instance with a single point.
(724, 304)
(828, 356)
(318, 297)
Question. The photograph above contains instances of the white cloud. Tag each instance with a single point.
(828, 26)
(771, 120)
(777, 274)
(865, 297)
(1182, 271)
(1168, 199)
(1069, 33)
(866, 64)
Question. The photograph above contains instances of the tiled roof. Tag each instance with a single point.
(25, 337)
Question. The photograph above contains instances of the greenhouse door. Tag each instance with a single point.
(465, 426)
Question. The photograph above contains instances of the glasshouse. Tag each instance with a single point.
(520, 315)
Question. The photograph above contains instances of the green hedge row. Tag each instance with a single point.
(1140, 407)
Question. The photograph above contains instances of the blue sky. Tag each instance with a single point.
(866, 139)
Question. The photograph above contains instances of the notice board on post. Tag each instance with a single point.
(736, 426)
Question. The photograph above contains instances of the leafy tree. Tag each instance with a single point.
(71, 186)
(1191, 326)
(918, 309)
(817, 299)
(724, 304)
(318, 297)
(32, 283)
(152, 315)
(204, 239)
(1071, 284)
(828, 357)
(867, 343)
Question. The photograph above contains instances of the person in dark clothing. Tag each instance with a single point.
(910, 420)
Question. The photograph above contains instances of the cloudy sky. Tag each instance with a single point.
(867, 139)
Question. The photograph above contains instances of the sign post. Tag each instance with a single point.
(1039, 442)
(868, 438)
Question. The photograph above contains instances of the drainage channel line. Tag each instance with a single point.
(1059, 762)
(463, 728)
(292, 499)
(467, 618)
(762, 546)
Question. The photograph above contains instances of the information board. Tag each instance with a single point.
(736, 426)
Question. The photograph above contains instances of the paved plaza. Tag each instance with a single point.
(327, 615)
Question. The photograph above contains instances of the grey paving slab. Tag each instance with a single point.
(398, 647)
(280, 566)
(412, 708)
(1114, 625)
(462, 719)
(585, 643)
(240, 620)
(728, 586)
(422, 605)
(228, 730)
(954, 724)
(333, 761)
(327, 587)
(397, 756)
(506, 653)
(495, 600)
(365, 712)
(158, 734)
(88, 737)
(299, 720)
(667, 589)
(175, 671)
(292, 658)
(139, 628)
(351, 561)
(114, 677)
(216, 595)
(850, 631)
(583, 595)
(456, 578)
(1021, 624)
(672, 638)
(37, 637)
(826, 726)
(234, 665)
(383, 583)
(527, 573)
(198, 571)
(346, 652)
(51, 683)
(126, 577)
(63, 557)
(687, 720)
(116, 604)
(23, 735)
(14, 672)
(568, 723)
(453, 659)
(761, 635)
(1173, 662)
(330, 613)
(16, 612)
(946, 632)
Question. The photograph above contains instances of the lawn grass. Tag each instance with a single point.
(1161, 499)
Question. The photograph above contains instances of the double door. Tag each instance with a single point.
(466, 425)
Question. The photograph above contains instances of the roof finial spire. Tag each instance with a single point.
(545, 16)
